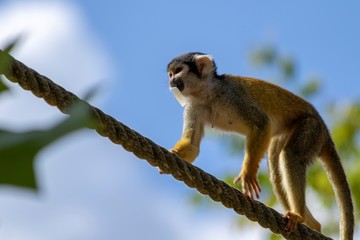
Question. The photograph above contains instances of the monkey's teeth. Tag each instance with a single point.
(181, 99)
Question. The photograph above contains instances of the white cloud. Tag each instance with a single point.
(90, 189)
(57, 43)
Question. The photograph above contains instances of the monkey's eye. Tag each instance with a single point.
(177, 70)
(170, 75)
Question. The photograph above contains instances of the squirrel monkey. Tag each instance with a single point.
(273, 120)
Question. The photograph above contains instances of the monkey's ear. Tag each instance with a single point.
(204, 64)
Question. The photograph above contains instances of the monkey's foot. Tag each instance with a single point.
(250, 185)
(292, 220)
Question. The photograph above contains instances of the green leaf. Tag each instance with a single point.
(287, 66)
(274, 236)
(311, 88)
(12, 44)
(264, 56)
(5, 60)
(3, 87)
(19, 149)
(17, 152)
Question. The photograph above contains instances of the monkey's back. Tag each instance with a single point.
(281, 106)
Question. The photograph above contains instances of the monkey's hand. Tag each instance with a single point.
(185, 150)
(249, 183)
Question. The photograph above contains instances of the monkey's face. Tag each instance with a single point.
(182, 78)
(190, 77)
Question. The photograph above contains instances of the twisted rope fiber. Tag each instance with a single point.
(155, 155)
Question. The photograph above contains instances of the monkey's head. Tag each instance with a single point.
(190, 72)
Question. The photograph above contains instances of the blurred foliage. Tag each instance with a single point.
(346, 134)
(285, 70)
(344, 123)
(18, 150)
(3, 87)
(4, 63)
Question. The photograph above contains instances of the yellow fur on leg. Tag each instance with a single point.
(185, 150)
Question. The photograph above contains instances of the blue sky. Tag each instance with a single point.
(95, 190)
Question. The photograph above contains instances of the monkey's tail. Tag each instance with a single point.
(332, 165)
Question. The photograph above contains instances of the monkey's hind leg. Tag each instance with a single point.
(300, 150)
(279, 190)
(276, 177)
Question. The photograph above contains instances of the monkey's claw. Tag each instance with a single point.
(250, 186)
(292, 220)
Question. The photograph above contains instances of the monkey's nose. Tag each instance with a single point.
(178, 83)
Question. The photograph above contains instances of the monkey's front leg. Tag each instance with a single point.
(257, 143)
(186, 148)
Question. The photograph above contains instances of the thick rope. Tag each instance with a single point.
(154, 154)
